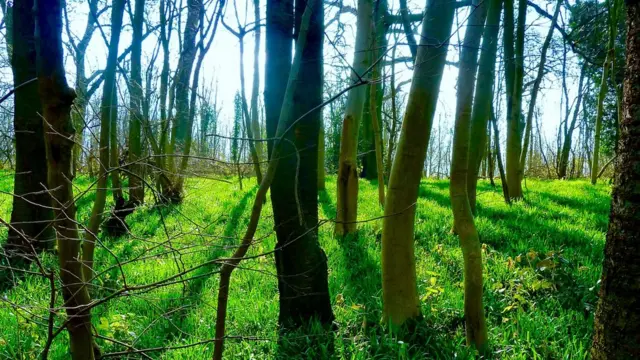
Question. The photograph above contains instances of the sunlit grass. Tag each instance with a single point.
(542, 263)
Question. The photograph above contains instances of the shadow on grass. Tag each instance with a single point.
(176, 310)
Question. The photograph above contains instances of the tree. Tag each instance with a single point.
(31, 214)
(181, 130)
(108, 115)
(536, 88)
(483, 98)
(617, 319)
(514, 72)
(57, 99)
(399, 292)
(347, 192)
(136, 188)
(613, 20)
(476, 327)
(563, 160)
(301, 263)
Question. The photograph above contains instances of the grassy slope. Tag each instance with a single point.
(542, 263)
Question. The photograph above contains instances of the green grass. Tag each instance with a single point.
(542, 262)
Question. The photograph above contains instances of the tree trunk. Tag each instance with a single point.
(57, 99)
(278, 50)
(375, 108)
(566, 146)
(514, 73)
(321, 154)
(483, 93)
(475, 324)
(301, 263)
(400, 298)
(394, 117)
(136, 187)
(248, 121)
(255, 92)
(181, 130)
(503, 176)
(114, 158)
(31, 214)
(611, 49)
(536, 88)
(347, 187)
(617, 319)
(108, 112)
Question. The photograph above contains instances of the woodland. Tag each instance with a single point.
(306, 179)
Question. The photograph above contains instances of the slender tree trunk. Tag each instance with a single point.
(373, 95)
(114, 159)
(484, 90)
(536, 88)
(31, 214)
(347, 193)
(136, 187)
(399, 289)
(568, 136)
(408, 31)
(613, 27)
(255, 91)
(321, 155)
(617, 319)
(108, 112)
(514, 71)
(475, 324)
(248, 122)
(503, 176)
(57, 98)
(182, 126)
(394, 117)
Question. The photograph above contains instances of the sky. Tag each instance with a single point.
(221, 65)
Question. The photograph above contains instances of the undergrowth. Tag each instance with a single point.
(542, 262)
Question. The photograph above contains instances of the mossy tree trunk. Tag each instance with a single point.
(475, 324)
(347, 186)
(57, 99)
(617, 319)
(31, 213)
(399, 289)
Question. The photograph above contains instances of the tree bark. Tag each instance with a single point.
(483, 94)
(136, 187)
(400, 298)
(347, 187)
(514, 72)
(31, 214)
(278, 61)
(57, 98)
(181, 131)
(617, 319)
(475, 324)
(301, 263)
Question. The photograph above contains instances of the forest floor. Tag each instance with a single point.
(542, 262)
